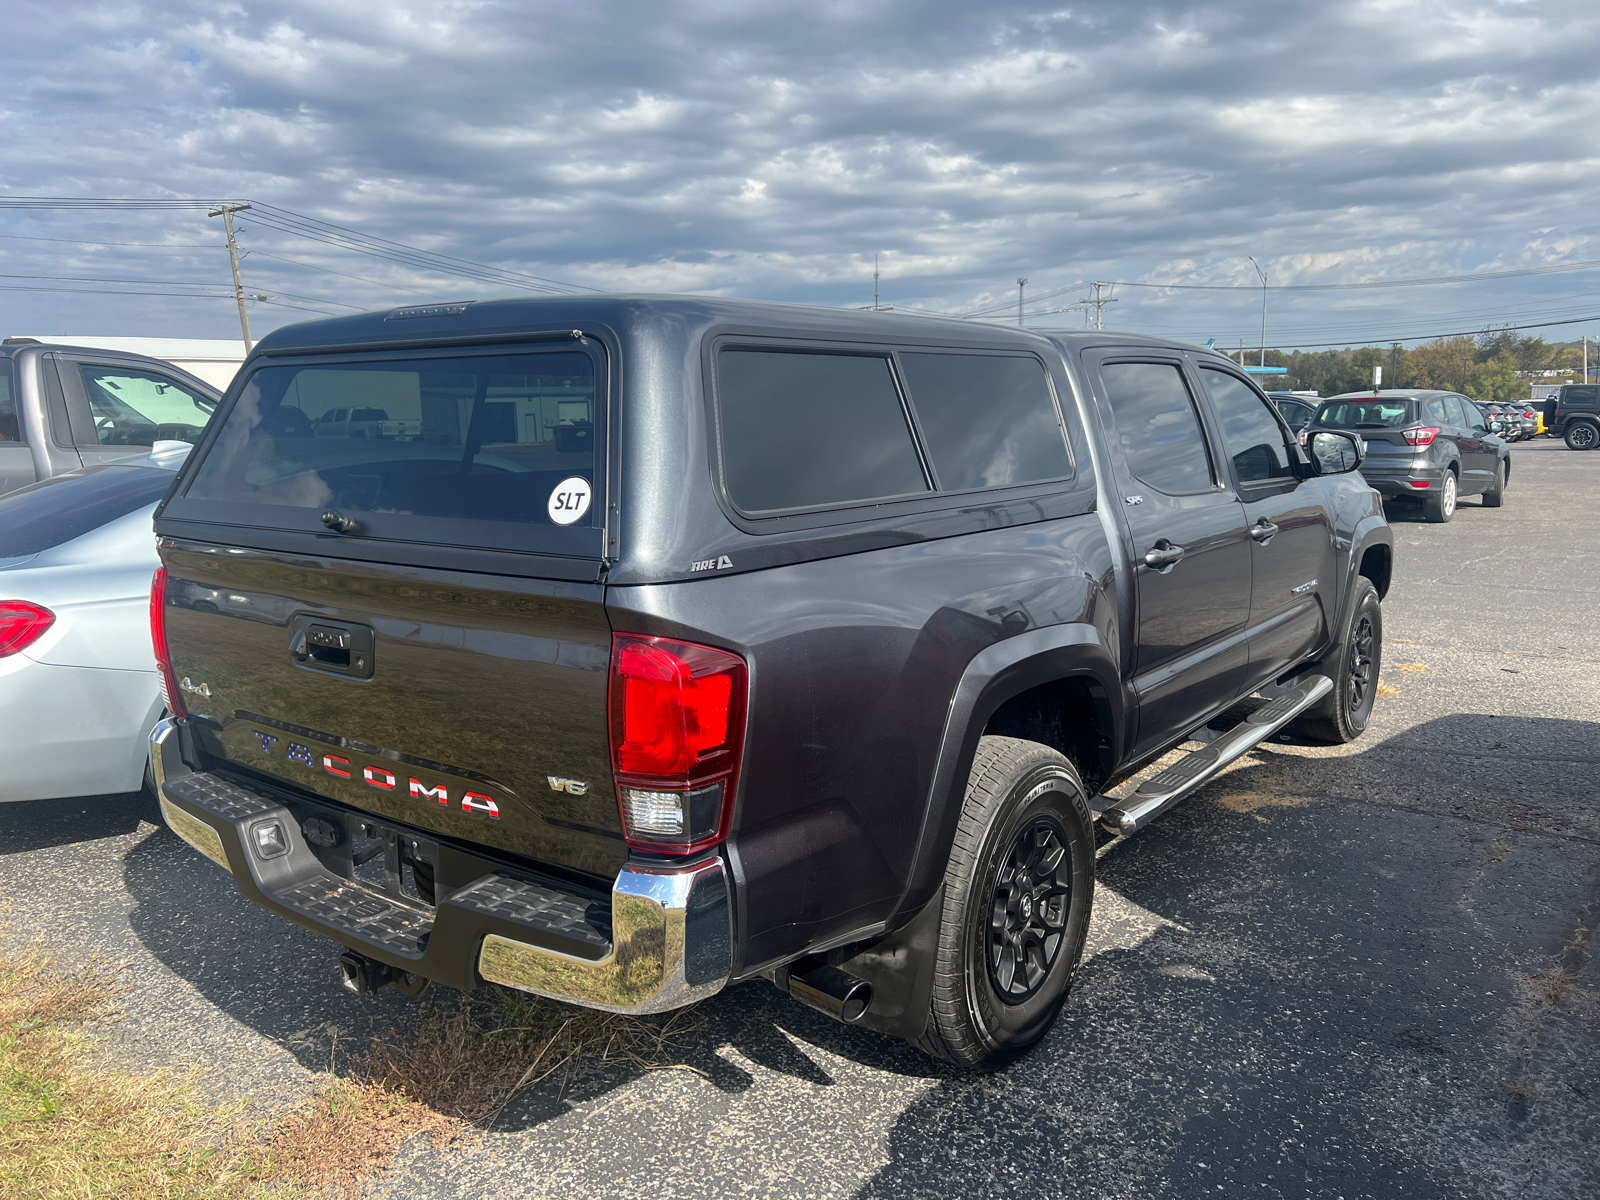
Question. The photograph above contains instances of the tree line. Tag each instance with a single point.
(1485, 367)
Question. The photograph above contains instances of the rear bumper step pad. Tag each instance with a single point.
(664, 941)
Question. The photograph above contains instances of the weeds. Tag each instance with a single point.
(71, 1127)
(1413, 668)
(469, 1058)
(1555, 986)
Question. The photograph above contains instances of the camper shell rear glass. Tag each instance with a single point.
(493, 447)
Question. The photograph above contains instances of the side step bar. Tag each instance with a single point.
(1131, 813)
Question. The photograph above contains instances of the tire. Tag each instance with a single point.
(996, 994)
(1355, 664)
(1581, 435)
(1496, 495)
(1439, 506)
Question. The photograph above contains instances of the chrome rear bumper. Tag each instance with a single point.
(668, 941)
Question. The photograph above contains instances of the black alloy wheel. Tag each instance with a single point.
(1354, 665)
(1360, 684)
(1014, 910)
(1028, 915)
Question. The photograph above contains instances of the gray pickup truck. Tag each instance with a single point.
(65, 407)
(825, 660)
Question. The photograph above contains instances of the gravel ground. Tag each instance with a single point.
(1331, 973)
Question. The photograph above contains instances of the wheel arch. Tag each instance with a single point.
(1015, 682)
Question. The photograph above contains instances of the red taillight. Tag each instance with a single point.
(1421, 483)
(677, 731)
(21, 625)
(158, 640)
(1421, 437)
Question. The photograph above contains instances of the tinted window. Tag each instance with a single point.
(476, 437)
(1294, 412)
(1433, 409)
(1252, 434)
(64, 507)
(1364, 414)
(1158, 426)
(987, 421)
(800, 430)
(1578, 395)
(135, 408)
(1461, 412)
(9, 431)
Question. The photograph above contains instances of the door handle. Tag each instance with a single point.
(1263, 530)
(1162, 556)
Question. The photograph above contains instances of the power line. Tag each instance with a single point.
(94, 242)
(313, 228)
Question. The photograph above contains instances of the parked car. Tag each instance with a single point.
(65, 407)
(1574, 415)
(817, 668)
(1296, 411)
(1430, 446)
(363, 423)
(1499, 423)
(78, 687)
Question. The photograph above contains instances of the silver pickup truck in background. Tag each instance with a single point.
(65, 407)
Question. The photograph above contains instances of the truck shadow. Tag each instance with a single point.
(1308, 979)
(1268, 961)
(42, 824)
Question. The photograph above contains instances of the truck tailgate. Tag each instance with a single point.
(470, 705)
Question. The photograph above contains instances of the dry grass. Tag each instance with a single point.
(468, 1057)
(1387, 690)
(1555, 986)
(71, 1127)
(1413, 668)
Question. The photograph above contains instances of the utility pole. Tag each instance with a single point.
(1099, 300)
(1022, 284)
(226, 212)
(1263, 275)
(874, 283)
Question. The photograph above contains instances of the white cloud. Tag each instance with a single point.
(770, 150)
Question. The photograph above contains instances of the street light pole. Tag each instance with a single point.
(1022, 283)
(1263, 275)
(226, 212)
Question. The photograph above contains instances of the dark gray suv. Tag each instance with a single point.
(1432, 446)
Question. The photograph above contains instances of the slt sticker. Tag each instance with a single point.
(569, 501)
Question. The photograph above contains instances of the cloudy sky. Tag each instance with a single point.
(771, 149)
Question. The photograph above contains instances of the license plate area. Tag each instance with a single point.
(381, 858)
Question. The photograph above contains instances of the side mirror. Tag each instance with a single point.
(1495, 426)
(1334, 452)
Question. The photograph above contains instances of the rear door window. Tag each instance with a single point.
(1364, 414)
(987, 420)
(133, 407)
(807, 430)
(465, 449)
(1254, 439)
(1158, 426)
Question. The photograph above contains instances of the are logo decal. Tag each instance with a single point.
(384, 779)
(721, 563)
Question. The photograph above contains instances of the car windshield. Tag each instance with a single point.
(63, 507)
(1376, 413)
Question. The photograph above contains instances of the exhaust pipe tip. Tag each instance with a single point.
(829, 990)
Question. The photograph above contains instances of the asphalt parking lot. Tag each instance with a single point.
(1352, 972)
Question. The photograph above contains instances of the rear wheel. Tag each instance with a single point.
(1440, 505)
(1496, 495)
(1017, 895)
(1354, 665)
(1582, 436)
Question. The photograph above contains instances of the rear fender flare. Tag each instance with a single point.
(995, 675)
(1372, 531)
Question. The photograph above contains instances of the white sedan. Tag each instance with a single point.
(79, 692)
